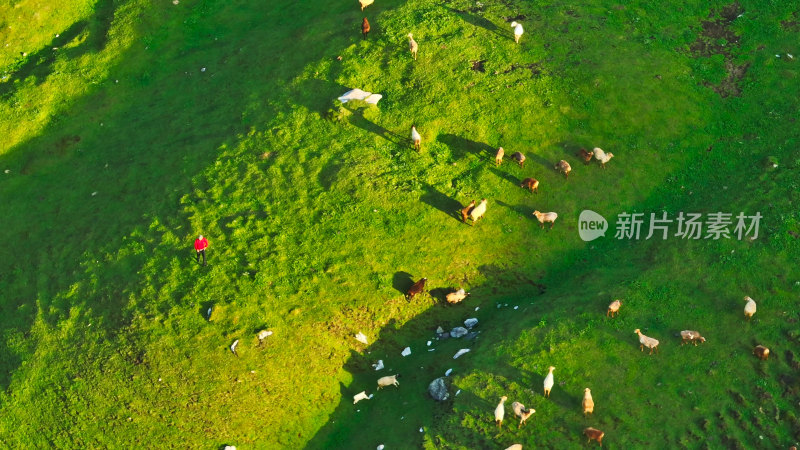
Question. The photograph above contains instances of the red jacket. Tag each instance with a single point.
(200, 244)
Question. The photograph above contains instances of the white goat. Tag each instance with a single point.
(517, 31)
(602, 156)
(648, 342)
(388, 381)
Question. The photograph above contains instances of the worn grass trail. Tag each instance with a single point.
(154, 123)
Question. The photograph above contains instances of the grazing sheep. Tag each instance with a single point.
(365, 3)
(388, 381)
(468, 209)
(691, 336)
(233, 347)
(416, 138)
(522, 412)
(648, 342)
(594, 435)
(519, 158)
(361, 396)
(749, 308)
(563, 167)
(515, 447)
(500, 412)
(761, 352)
(263, 334)
(456, 297)
(478, 211)
(613, 308)
(588, 403)
(531, 183)
(548, 381)
(546, 217)
(498, 158)
(365, 27)
(602, 156)
(416, 288)
(517, 31)
(413, 46)
(585, 156)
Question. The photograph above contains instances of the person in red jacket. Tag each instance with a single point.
(200, 246)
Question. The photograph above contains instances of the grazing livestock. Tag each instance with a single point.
(416, 138)
(522, 412)
(500, 412)
(515, 447)
(390, 380)
(648, 342)
(691, 336)
(531, 183)
(478, 211)
(365, 3)
(602, 156)
(517, 31)
(361, 396)
(456, 297)
(563, 167)
(498, 158)
(613, 308)
(546, 217)
(365, 27)
(468, 209)
(413, 46)
(594, 435)
(761, 352)
(519, 158)
(749, 308)
(548, 381)
(585, 156)
(416, 288)
(588, 402)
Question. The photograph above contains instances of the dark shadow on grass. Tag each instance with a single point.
(443, 203)
(460, 147)
(480, 22)
(506, 176)
(357, 119)
(402, 281)
(548, 165)
(440, 294)
(522, 210)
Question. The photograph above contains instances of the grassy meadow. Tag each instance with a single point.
(129, 127)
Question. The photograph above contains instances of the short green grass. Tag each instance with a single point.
(120, 149)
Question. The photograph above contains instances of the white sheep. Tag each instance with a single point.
(517, 31)
(478, 211)
(416, 138)
(546, 217)
(749, 307)
(522, 412)
(457, 296)
(588, 402)
(548, 381)
(515, 447)
(361, 396)
(388, 381)
(648, 342)
(365, 3)
(613, 308)
(413, 46)
(500, 412)
(602, 156)
(263, 334)
(498, 157)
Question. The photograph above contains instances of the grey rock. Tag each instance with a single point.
(469, 323)
(438, 389)
(457, 332)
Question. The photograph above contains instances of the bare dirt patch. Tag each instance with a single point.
(717, 38)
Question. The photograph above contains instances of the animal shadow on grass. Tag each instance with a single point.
(506, 176)
(478, 21)
(524, 211)
(459, 146)
(542, 161)
(204, 307)
(440, 294)
(402, 282)
(442, 202)
(358, 119)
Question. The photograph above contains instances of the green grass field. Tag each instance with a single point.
(129, 127)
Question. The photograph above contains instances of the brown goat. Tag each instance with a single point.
(365, 27)
(531, 183)
(585, 156)
(465, 211)
(594, 435)
(761, 352)
(416, 288)
(519, 157)
(691, 336)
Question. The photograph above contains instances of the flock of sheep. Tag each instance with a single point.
(475, 212)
